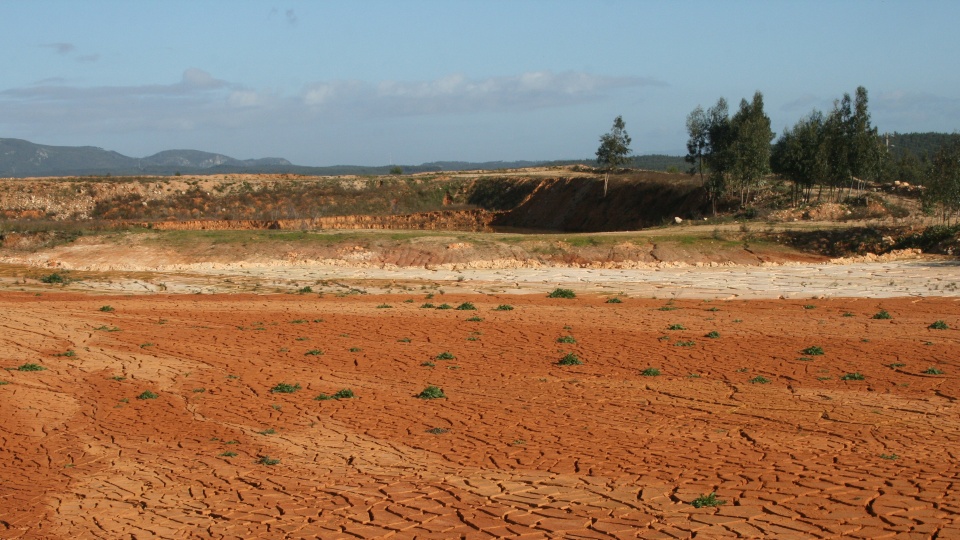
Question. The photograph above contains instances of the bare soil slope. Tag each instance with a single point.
(793, 443)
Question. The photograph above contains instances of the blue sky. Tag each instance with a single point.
(406, 81)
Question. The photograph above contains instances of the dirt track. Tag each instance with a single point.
(524, 447)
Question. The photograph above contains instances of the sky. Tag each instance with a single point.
(367, 82)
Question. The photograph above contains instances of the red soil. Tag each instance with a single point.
(532, 449)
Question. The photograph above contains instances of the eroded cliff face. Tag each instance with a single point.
(450, 220)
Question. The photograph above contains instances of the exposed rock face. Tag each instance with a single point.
(450, 220)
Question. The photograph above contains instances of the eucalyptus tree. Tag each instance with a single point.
(614, 150)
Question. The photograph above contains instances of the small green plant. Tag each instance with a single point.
(313, 352)
(437, 431)
(759, 379)
(428, 364)
(896, 365)
(444, 306)
(106, 309)
(268, 431)
(743, 370)
(323, 397)
(809, 306)
(355, 349)
(693, 376)
(284, 388)
(106, 328)
(570, 359)
(146, 345)
(267, 460)
(466, 306)
(562, 293)
(891, 457)
(199, 390)
(2, 383)
(228, 453)
(431, 392)
(384, 306)
(54, 278)
(713, 309)
(676, 327)
(404, 340)
(318, 320)
(614, 300)
(939, 325)
(147, 394)
(848, 314)
(813, 350)
(667, 308)
(823, 378)
(503, 307)
(566, 339)
(474, 319)
(650, 372)
(804, 359)
(298, 321)
(305, 290)
(852, 377)
(687, 343)
(710, 500)
(446, 356)
(31, 367)
(70, 353)
(712, 334)
(345, 393)
(932, 371)
(882, 314)
(428, 305)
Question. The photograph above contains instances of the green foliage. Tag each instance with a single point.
(268, 431)
(809, 306)
(614, 146)
(932, 371)
(428, 364)
(650, 372)
(890, 457)
(614, 300)
(939, 325)
(147, 394)
(848, 314)
(446, 356)
(712, 334)
(896, 365)
(355, 349)
(345, 393)
(305, 290)
(813, 350)
(313, 352)
(228, 453)
(384, 306)
(396, 170)
(759, 379)
(428, 305)
(106, 309)
(444, 306)
(882, 314)
(267, 460)
(562, 293)
(676, 327)
(466, 306)
(474, 319)
(566, 339)
(431, 392)
(710, 500)
(437, 431)
(852, 377)
(31, 367)
(70, 353)
(685, 343)
(285, 388)
(570, 359)
(503, 307)
(54, 278)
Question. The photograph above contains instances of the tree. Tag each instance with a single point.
(698, 126)
(800, 155)
(943, 186)
(717, 151)
(750, 146)
(614, 149)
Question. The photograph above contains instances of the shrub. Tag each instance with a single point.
(896, 365)
(31, 367)
(431, 392)
(474, 319)
(313, 352)
(809, 306)
(267, 460)
(428, 305)
(228, 453)
(687, 343)
(444, 306)
(503, 307)
(614, 300)
(848, 314)
(437, 431)
(428, 364)
(712, 335)
(106, 309)
(891, 457)
(852, 377)
(147, 395)
(384, 306)
(562, 293)
(813, 350)
(466, 306)
(446, 356)
(667, 308)
(710, 500)
(566, 339)
(882, 314)
(939, 325)
(650, 372)
(570, 359)
(53, 278)
(932, 371)
(345, 393)
(284, 388)
(305, 290)
(676, 327)
(759, 379)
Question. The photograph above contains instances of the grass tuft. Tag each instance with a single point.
(503, 307)
(710, 500)
(431, 392)
(147, 394)
(939, 325)
(562, 293)
(813, 350)
(570, 360)
(650, 372)
(466, 306)
(882, 314)
(852, 377)
(285, 388)
(31, 367)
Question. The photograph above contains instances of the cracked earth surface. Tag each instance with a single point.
(520, 448)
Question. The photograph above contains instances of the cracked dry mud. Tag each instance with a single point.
(526, 449)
